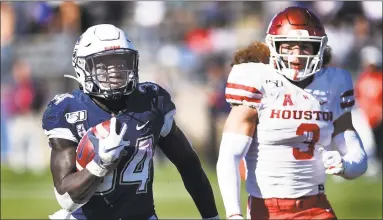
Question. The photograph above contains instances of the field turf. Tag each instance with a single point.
(29, 197)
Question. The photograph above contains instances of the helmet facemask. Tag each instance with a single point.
(111, 74)
(282, 62)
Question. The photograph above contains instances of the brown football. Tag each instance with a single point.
(85, 150)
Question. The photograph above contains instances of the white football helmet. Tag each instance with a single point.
(105, 62)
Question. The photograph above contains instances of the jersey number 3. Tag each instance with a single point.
(312, 131)
(136, 170)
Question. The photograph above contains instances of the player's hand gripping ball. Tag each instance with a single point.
(104, 141)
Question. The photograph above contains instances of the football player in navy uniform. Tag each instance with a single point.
(116, 185)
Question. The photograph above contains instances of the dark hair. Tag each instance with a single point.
(327, 55)
(256, 52)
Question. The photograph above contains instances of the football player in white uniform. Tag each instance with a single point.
(284, 117)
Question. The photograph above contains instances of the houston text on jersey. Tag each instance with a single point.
(307, 115)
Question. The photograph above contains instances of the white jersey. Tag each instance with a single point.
(284, 161)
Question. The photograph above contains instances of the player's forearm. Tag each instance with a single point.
(79, 185)
(198, 186)
(75, 189)
(354, 157)
(72, 188)
(232, 149)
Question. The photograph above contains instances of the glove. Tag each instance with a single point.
(61, 214)
(108, 149)
(332, 161)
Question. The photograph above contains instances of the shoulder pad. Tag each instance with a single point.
(155, 91)
(61, 98)
(163, 103)
(149, 88)
(244, 85)
(54, 122)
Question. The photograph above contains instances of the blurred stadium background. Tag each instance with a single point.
(186, 47)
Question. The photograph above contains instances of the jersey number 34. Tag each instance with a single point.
(136, 170)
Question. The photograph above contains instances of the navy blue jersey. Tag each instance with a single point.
(128, 190)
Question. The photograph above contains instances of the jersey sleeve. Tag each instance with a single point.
(54, 122)
(244, 85)
(164, 104)
(344, 98)
(168, 110)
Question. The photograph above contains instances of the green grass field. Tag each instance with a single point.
(29, 197)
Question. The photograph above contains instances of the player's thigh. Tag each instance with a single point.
(321, 209)
(258, 208)
(315, 208)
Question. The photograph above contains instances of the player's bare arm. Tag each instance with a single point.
(79, 185)
(237, 136)
(180, 152)
(242, 120)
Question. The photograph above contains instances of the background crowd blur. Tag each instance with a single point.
(186, 47)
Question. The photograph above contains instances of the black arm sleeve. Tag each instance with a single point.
(179, 151)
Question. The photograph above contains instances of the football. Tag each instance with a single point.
(85, 150)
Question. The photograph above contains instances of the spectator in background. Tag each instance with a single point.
(103, 12)
(70, 17)
(7, 34)
(369, 93)
(23, 101)
(148, 15)
(362, 36)
(4, 135)
(7, 23)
